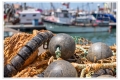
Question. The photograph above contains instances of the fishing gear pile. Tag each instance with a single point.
(64, 56)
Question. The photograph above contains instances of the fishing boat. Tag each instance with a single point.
(28, 16)
(112, 19)
(73, 29)
(60, 16)
(83, 15)
(83, 25)
(23, 15)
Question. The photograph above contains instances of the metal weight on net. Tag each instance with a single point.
(98, 51)
(62, 43)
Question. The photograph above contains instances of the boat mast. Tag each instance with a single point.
(98, 12)
(25, 6)
(52, 6)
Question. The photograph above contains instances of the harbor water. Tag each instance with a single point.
(107, 37)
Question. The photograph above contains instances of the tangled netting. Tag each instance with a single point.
(36, 64)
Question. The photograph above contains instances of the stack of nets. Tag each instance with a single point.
(13, 44)
(85, 69)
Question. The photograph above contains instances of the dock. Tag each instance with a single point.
(26, 27)
(113, 25)
(10, 30)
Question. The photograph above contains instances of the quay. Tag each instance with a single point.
(113, 25)
(25, 27)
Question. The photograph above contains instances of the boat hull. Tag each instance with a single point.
(71, 29)
(56, 23)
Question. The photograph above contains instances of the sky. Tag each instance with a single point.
(73, 5)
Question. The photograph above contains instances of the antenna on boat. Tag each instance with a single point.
(25, 6)
(66, 4)
(98, 6)
(52, 6)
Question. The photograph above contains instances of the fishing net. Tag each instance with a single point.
(36, 64)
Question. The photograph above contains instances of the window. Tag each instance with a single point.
(66, 15)
(61, 15)
(56, 14)
(34, 14)
(23, 15)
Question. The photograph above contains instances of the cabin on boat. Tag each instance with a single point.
(27, 16)
(83, 17)
(60, 16)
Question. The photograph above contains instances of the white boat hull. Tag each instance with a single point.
(76, 29)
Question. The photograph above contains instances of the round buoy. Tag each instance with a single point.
(106, 76)
(98, 51)
(60, 68)
(63, 43)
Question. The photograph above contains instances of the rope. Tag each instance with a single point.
(84, 51)
(58, 52)
(95, 66)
